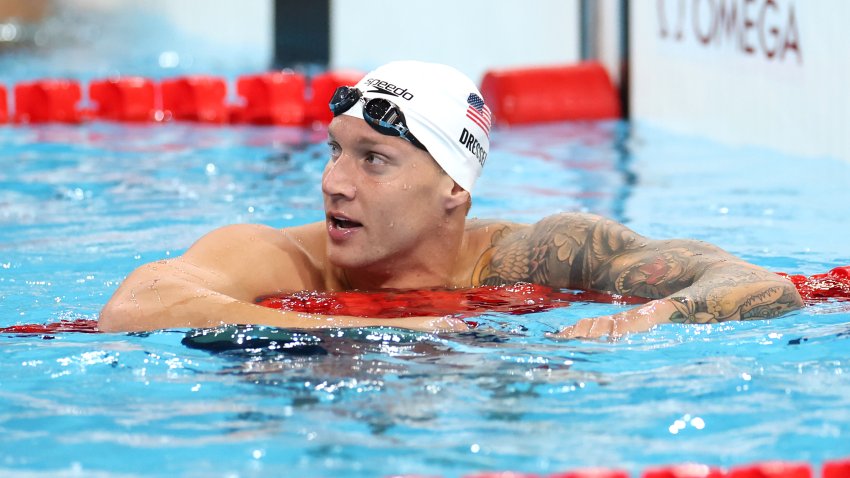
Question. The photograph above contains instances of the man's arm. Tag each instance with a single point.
(693, 282)
(216, 282)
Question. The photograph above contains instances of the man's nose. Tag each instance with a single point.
(338, 178)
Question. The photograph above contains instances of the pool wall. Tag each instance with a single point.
(769, 73)
(473, 36)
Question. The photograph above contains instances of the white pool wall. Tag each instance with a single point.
(471, 35)
(776, 74)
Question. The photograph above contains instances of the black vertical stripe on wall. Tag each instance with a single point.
(301, 32)
(625, 58)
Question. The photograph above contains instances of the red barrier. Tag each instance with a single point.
(592, 473)
(195, 98)
(559, 93)
(836, 469)
(688, 470)
(4, 105)
(323, 87)
(518, 96)
(772, 469)
(124, 99)
(48, 101)
(271, 98)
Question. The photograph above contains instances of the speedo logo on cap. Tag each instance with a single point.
(380, 86)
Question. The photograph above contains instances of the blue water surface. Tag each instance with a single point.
(82, 206)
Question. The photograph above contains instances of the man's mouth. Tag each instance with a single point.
(343, 223)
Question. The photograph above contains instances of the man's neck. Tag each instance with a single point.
(433, 265)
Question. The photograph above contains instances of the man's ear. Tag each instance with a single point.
(457, 197)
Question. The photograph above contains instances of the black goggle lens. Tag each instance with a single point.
(343, 99)
(382, 115)
(381, 111)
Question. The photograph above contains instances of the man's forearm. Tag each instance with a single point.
(211, 311)
(734, 293)
(720, 295)
(154, 304)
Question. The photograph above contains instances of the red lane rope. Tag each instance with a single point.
(83, 326)
(835, 284)
(513, 299)
(839, 468)
(522, 298)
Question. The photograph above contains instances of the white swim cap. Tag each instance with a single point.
(442, 108)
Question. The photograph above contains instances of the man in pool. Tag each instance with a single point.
(406, 146)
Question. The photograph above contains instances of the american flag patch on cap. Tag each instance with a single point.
(479, 113)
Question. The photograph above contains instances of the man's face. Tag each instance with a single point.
(382, 196)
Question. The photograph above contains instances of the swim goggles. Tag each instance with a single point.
(382, 115)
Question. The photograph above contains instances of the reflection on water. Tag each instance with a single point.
(388, 379)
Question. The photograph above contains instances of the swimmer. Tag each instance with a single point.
(405, 147)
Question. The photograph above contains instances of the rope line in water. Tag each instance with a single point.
(515, 299)
(765, 469)
(834, 284)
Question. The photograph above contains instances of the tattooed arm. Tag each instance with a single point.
(692, 281)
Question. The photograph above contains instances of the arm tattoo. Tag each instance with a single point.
(560, 251)
(734, 298)
(583, 251)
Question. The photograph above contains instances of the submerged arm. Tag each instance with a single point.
(692, 281)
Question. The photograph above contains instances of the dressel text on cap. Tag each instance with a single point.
(474, 147)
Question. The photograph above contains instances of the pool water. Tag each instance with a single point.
(81, 206)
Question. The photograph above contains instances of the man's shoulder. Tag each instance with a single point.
(263, 258)
(492, 225)
(548, 251)
(497, 230)
(258, 239)
(262, 232)
(488, 232)
(240, 232)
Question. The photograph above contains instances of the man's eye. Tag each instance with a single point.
(374, 160)
(334, 149)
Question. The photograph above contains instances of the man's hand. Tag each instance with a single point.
(639, 319)
(435, 325)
